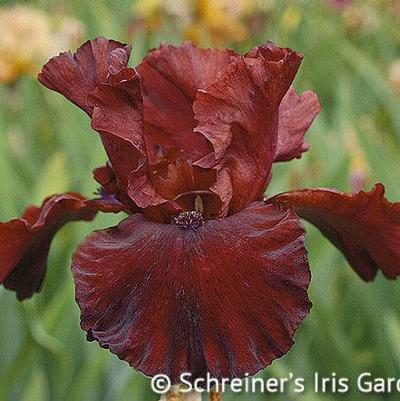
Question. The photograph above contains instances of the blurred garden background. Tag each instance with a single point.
(352, 61)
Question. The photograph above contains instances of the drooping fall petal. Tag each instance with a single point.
(238, 113)
(364, 225)
(170, 76)
(296, 114)
(25, 242)
(225, 297)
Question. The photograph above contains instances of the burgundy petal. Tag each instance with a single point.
(170, 78)
(238, 113)
(96, 78)
(364, 226)
(118, 116)
(105, 176)
(225, 298)
(25, 242)
(296, 114)
(223, 188)
(176, 186)
(76, 75)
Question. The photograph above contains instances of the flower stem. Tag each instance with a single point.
(215, 395)
(176, 395)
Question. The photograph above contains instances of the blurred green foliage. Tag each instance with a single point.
(47, 146)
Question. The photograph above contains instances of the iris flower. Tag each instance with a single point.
(216, 22)
(205, 274)
(29, 36)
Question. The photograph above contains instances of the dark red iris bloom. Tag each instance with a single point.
(204, 275)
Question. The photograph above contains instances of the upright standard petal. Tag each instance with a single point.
(118, 117)
(223, 297)
(364, 226)
(76, 75)
(96, 78)
(25, 242)
(296, 114)
(238, 113)
(170, 76)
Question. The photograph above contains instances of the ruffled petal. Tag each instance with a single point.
(170, 78)
(296, 114)
(223, 188)
(96, 78)
(25, 242)
(118, 116)
(364, 226)
(178, 186)
(76, 75)
(238, 113)
(224, 298)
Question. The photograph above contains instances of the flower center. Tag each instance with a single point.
(190, 219)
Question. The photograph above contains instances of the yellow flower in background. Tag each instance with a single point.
(28, 37)
(217, 21)
(291, 18)
(24, 36)
(361, 17)
(152, 13)
(209, 22)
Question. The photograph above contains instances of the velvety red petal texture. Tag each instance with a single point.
(364, 226)
(96, 78)
(118, 116)
(238, 113)
(225, 298)
(177, 186)
(192, 126)
(25, 242)
(296, 114)
(170, 76)
(76, 75)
